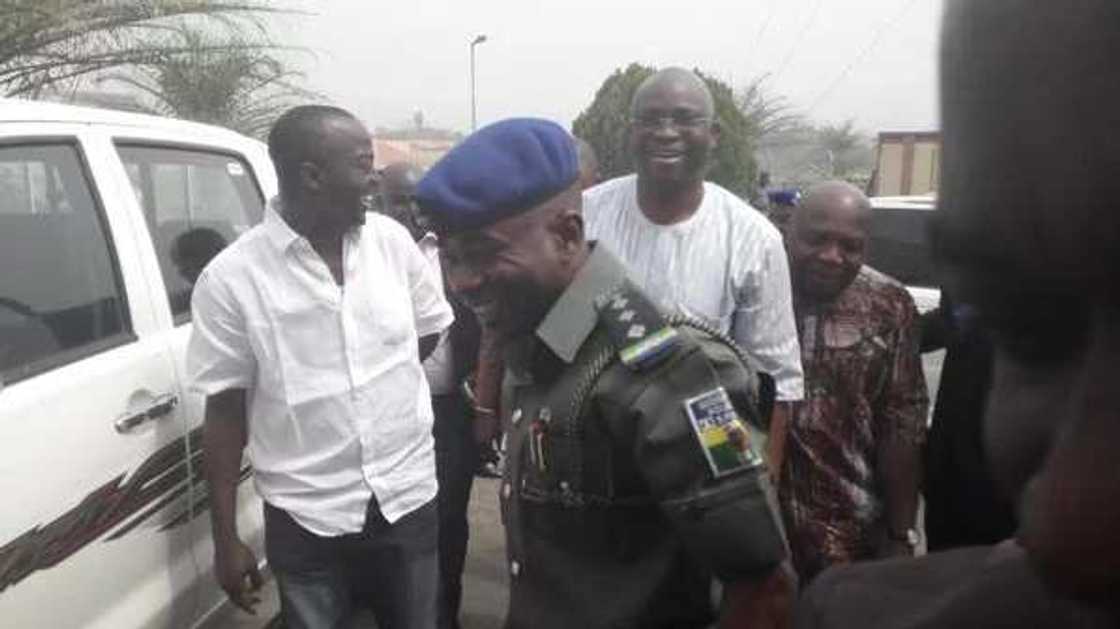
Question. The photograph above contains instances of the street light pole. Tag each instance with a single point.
(474, 107)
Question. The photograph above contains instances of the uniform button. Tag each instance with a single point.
(514, 568)
(506, 490)
(516, 416)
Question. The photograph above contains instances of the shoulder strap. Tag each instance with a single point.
(767, 390)
(640, 334)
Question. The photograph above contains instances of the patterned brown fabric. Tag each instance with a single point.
(863, 384)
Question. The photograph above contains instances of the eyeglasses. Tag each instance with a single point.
(677, 120)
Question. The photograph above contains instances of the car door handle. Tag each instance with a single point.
(162, 406)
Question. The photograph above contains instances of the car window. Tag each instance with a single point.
(196, 203)
(60, 288)
(900, 247)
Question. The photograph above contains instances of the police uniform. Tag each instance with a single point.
(633, 439)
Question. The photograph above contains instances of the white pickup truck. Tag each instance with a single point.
(900, 248)
(900, 245)
(106, 219)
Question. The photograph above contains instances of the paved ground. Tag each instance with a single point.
(486, 578)
(486, 581)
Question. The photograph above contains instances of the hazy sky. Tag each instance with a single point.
(872, 60)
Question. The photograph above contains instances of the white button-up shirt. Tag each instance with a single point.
(438, 368)
(339, 409)
(726, 264)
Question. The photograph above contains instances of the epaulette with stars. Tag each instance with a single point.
(642, 336)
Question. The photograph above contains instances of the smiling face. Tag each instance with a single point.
(510, 273)
(343, 175)
(827, 240)
(1029, 233)
(673, 129)
(324, 167)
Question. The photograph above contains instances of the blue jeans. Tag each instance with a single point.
(391, 569)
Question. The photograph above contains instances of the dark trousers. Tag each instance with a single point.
(456, 460)
(391, 569)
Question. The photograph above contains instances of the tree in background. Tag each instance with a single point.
(734, 166)
(796, 152)
(804, 154)
(50, 45)
(768, 113)
(848, 151)
(605, 124)
(217, 78)
(606, 121)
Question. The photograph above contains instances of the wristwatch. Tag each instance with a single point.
(910, 536)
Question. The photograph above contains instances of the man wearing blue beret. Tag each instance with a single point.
(781, 204)
(633, 437)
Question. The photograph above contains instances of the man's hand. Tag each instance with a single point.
(427, 345)
(224, 433)
(894, 548)
(235, 567)
(485, 425)
(776, 443)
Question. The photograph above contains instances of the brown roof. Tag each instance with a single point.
(387, 152)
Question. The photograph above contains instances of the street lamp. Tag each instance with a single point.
(474, 108)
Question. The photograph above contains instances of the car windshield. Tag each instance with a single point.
(900, 246)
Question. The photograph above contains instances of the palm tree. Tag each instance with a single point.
(845, 148)
(225, 80)
(49, 44)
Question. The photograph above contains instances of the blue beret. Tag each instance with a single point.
(787, 196)
(501, 170)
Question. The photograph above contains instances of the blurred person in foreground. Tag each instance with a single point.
(694, 246)
(632, 472)
(850, 484)
(308, 335)
(963, 506)
(447, 370)
(1028, 235)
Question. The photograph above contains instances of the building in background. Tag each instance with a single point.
(418, 145)
(907, 164)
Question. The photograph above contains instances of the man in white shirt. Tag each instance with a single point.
(446, 369)
(308, 335)
(694, 245)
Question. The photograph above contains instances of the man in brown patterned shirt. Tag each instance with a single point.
(850, 480)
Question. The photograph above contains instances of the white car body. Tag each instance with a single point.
(900, 248)
(105, 522)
